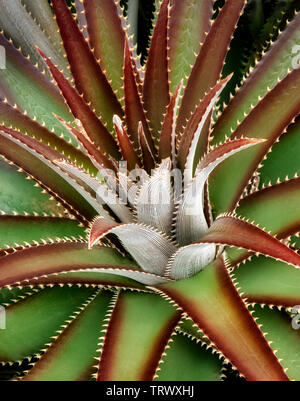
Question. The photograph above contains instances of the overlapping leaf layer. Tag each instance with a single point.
(140, 236)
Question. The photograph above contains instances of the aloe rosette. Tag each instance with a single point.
(192, 265)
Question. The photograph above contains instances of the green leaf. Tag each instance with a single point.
(285, 340)
(31, 322)
(20, 229)
(281, 105)
(198, 362)
(285, 154)
(189, 21)
(72, 355)
(274, 66)
(36, 261)
(32, 91)
(133, 346)
(19, 195)
(264, 280)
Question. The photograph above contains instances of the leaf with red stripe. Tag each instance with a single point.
(89, 78)
(189, 22)
(197, 129)
(231, 231)
(50, 157)
(35, 165)
(212, 302)
(26, 86)
(98, 159)
(40, 260)
(209, 63)
(274, 65)
(133, 351)
(71, 356)
(134, 111)
(106, 37)
(127, 149)
(96, 131)
(156, 86)
(281, 105)
(13, 118)
(167, 140)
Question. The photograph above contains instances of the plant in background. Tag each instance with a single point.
(142, 232)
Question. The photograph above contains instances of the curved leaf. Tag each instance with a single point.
(36, 261)
(191, 222)
(212, 302)
(148, 247)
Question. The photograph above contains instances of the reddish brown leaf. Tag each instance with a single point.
(127, 149)
(212, 302)
(87, 73)
(93, 126)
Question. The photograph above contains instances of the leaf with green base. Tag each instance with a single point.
(200, 364)
(156, 94)
(273, 67)
(189, 22)
(282, 106)
(267, 281)
(71, 356)
(88, 76)
(61, 256)
(32, 321)
(132, 347)
(20, 229)
(31, 90)
(29, 199)
(285, 340)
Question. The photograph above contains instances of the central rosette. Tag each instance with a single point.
(160, 213)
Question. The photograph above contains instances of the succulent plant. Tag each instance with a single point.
(144, 234)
